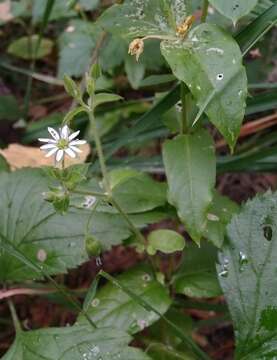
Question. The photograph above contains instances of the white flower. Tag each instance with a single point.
(62, 143)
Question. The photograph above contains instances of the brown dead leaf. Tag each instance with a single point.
(5, 11)
(19, 156)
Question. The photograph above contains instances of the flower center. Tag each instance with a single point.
(62, 144)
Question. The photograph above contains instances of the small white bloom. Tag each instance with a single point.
(63, 143)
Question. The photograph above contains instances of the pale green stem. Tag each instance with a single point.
(15, 319)
(106, 181)
(100, 153)
(204, 10)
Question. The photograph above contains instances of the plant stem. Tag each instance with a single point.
(89, 193)
(106, 180)
(184, 123)
(204, 10)
(15, 319)
(129, 221)
(100, 153)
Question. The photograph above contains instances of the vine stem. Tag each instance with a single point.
(204, 11)
(15, 319)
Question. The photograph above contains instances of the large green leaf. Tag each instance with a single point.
(76, 45)
(210, 63)
(72, 343)
(234, 9)
(113, 307)
(138, 192)
(190, 167)
(247, 273)
(140, 18)
(31, 225)
(197, 274)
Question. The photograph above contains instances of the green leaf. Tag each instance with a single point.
(247, 276)
(135, 71)
(76, 45)
(166, 241)
(234, 9)
(159, 351)
(60, 10)
(190, 167)
(137, 192)
(4, 166)
(9, 109)
(210, 63)
(71, 343)
(249, 36)
(113, 307)
(29, 223)
(220, 213)
(197, 274)
(141, 18)
(104, 98)
(25, 47)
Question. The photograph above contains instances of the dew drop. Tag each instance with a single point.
(98, 261)
(95, 302)
(220, 77)
(268, 233)
(41, 255)
(224, 273)
(146, 277)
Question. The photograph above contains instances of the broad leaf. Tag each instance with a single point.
(140, 18)
(113, 307)
(30, 224)
(71, 343)
(190, 169)
(210, 63)
(25, 47)
(166, 241)
(247, 275)
(220, 213)
(234, 9)
(197, 275)
(76, 45)
(138, 192)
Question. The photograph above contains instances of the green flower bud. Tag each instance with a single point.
(93, 246)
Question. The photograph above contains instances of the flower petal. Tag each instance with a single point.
(64, 132)
(48, 146)
(54, 133)
(70, 152)
(77, 142)
(73, 135)
(74, 148)
(51, 152)
(47, 140)
(60, 155)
